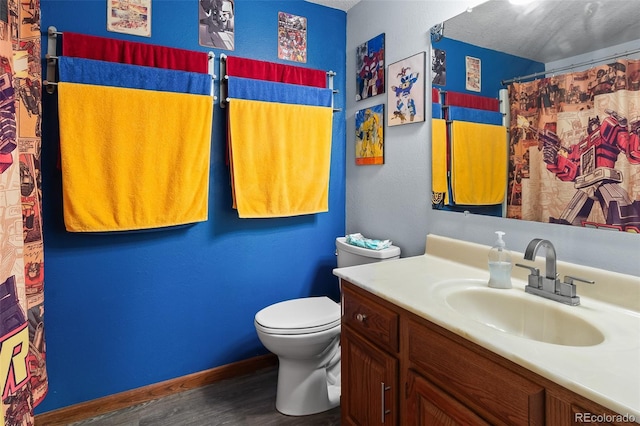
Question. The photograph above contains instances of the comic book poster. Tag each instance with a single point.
(473, 73)
(370, 68)
(438, 67)
(216, 24)
(370, 135)
(292, 37)
(129, 17)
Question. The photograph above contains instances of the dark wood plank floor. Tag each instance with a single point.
(246, 400)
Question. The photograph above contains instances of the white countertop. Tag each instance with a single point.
(607, 373)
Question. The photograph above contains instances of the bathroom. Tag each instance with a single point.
(121, 309)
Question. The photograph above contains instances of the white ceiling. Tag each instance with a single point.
(548, 30)
(336, 4)
(562, 28)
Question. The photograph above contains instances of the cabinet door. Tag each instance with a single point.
(369, 383)
(428, 405)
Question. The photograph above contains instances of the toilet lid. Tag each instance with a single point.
(317, 313)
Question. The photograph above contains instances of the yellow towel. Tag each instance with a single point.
(439, 157)
(478, 163)
(133, 159)
(280, 156)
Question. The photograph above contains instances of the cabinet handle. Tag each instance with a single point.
(361, 317)
(384, 412)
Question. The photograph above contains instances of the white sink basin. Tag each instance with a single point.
(520, 314)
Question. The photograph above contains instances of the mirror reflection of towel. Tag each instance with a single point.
(478, 163)
(439, 156)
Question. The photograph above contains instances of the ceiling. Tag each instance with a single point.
(548, 30)
(336, 4)
(562, 28)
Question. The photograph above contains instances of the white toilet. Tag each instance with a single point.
(305, 335)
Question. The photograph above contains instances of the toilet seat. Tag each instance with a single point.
(299, 316)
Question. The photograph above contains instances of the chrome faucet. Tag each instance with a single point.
(549, 286)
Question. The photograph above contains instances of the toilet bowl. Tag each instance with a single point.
(305, 335)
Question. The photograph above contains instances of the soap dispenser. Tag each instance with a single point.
(499, 264)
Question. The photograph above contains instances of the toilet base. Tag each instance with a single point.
(301, 393)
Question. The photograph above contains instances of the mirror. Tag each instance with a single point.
(597, 38)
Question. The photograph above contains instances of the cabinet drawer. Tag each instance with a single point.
(370, 319)
(493, 391)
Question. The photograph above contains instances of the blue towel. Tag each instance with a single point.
(114, 74)
(269, 91)
(436, 110)
(475, 115)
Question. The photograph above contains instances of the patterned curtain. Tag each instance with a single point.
(22, 349)
(575, 148)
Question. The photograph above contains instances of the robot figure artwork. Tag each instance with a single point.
(405, 103)
(590, 164)
(369, 134)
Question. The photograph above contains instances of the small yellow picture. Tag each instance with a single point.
(370, 135)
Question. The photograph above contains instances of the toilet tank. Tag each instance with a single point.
(350, 255)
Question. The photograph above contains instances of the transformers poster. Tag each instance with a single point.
(129, 17)
(575, 148)
(216, 26)
(406, 95)
(370, 68)
(292, 37)
(370, 135)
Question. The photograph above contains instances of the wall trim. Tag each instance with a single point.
(96, 407)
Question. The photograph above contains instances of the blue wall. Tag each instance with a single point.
(128, 310)
(496, 66)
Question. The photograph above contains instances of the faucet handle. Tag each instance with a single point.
(534, 279)
(534, 271)
(568, 279)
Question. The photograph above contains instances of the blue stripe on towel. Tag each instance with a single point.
(436, 110)
(269, 91)
(475, 115)
(114, 74)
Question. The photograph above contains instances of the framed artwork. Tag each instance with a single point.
(406, 95)
(370, 136)
(216, 23)
(370, 68)
(292, 37)
(438, 67)
(473, 66)
(129, 17)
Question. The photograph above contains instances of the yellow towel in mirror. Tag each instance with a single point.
(478, 163)
(133, 159)
(280, 158)
(439, 157)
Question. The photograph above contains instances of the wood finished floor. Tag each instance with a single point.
(246, 400)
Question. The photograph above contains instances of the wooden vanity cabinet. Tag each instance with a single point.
(400, 369)
(369, 339)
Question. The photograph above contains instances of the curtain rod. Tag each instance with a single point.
(569, 67)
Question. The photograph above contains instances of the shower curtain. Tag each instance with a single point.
(23, 374)
(575, 148)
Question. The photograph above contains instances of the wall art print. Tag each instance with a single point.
(129, 17)
(575, 148)
(370, 136)
(216, 26)
(292, 37)
(439, 67)
(473, 73)
(370, 68)
(406, 98)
